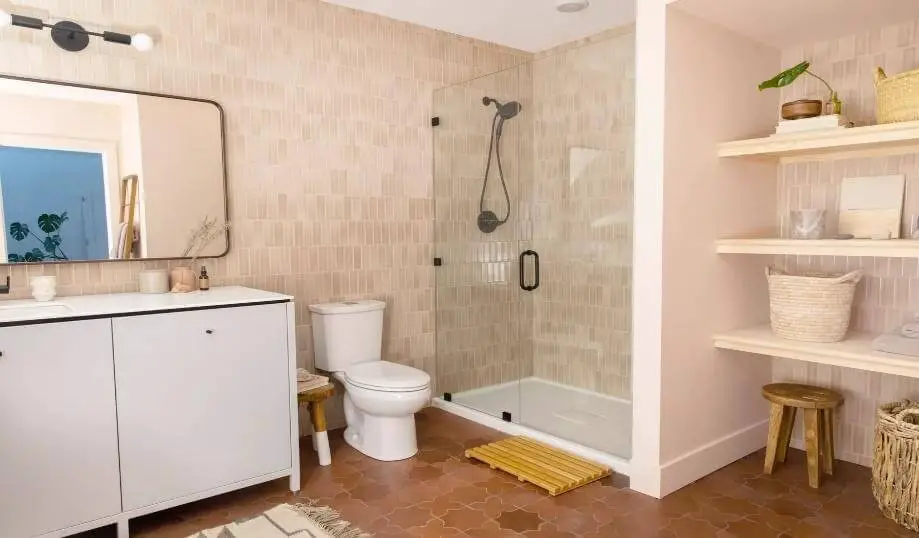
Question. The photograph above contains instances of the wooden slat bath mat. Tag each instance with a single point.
(551, 469)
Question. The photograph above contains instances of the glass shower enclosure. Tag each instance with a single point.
(534, 262)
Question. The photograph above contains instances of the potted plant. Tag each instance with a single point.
(50, 224)
(803, 108)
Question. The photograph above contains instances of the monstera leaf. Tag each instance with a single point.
(785, 77)
(35, 255)
(14, 258)
(52, 242)
(50, 223)
(19, 231)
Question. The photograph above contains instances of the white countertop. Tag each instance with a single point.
(131, 303)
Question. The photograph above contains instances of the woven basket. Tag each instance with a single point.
(898, 96)
(895, 472)
(813, 307)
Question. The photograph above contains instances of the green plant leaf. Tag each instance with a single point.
(35, 255)
(50, 223)
(785, 77)
(14, 258)
(51, 243)
(19, 231)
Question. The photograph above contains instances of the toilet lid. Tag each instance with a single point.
(387, 376)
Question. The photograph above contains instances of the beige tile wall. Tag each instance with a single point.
(582, 218)
(889, 295)
(484, 319)
(329, 141)
(575, 328)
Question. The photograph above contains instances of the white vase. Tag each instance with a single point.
(44, 288)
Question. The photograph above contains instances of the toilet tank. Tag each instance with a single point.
(347, 333)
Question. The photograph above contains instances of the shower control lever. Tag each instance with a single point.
(523, 257)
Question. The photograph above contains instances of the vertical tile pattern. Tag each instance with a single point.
(484, 321)
(889, 294)
(575, 328)
(582, 213)
(329, 142)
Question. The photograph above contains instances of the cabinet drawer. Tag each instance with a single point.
(58, 437)
(203, 400)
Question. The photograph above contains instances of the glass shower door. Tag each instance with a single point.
(480, 316)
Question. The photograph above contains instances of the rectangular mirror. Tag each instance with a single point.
(96, 174)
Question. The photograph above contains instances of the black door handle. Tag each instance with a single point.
(523, 257)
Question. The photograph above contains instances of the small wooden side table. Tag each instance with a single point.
(315, 398)
(818, 404)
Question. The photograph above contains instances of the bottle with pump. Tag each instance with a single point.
(204, 281)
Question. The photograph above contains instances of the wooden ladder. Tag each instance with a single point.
(128, 214)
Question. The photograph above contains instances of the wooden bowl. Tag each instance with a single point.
(804, 108)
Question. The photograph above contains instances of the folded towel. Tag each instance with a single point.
(308, 381)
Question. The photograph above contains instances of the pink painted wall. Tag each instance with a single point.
(711, 409)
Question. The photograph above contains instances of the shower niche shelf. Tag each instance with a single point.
(893, 137)
(892, 248)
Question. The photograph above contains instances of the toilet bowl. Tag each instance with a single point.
(381, 398)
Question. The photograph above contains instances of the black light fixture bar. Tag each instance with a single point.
(27, 22)
(71, 36)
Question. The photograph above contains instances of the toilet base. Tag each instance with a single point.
(384, 438)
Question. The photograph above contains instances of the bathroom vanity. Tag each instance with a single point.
(116, 406)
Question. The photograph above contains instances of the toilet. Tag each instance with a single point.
(381, 398)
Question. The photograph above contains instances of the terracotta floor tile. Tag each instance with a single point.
(441, 494)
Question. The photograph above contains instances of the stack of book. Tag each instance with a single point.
(820, 123)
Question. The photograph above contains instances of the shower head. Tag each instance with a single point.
(507, 110)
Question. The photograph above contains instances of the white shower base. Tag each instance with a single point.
(592, 425)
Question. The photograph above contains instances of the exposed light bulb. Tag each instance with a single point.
(142, 42)
(5, 19)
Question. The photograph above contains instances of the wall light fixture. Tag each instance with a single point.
(71, 36)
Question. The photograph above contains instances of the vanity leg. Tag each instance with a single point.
(123, 530)
(320, 435)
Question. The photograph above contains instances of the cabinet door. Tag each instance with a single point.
(58, 436)
(203, 400)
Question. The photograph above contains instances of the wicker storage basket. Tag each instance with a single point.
(895, 472)
(812, 307)
(898, 96)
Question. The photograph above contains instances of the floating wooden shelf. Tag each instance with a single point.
(893, 248)
(903, 136)
(855, 352)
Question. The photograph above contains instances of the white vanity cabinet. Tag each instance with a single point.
(202, 400)
(58, 437)
(117, 406)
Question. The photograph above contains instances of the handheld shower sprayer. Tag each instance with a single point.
(488, 221)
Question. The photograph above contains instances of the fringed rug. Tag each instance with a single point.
(284, 521)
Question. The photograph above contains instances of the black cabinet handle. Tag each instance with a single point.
(209, 331)
(523, 257)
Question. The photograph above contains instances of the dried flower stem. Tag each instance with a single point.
(203, 236)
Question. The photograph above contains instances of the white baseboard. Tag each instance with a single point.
(708, 458)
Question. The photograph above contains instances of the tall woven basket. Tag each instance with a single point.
(895, 472)
(898, 96)
(813, 307)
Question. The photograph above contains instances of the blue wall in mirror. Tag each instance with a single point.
(44, 181)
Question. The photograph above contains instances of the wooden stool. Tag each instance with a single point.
(316, 398)
(818, 405)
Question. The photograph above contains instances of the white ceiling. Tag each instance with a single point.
(530, 25)
(784, 23)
